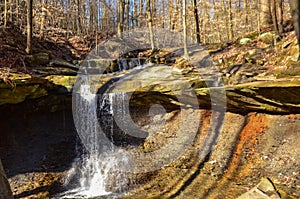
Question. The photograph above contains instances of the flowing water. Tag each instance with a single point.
(101, 170)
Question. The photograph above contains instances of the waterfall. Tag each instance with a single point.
(101, 170)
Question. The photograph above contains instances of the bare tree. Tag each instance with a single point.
(29, 27)
(5, 13)
(274, 16)
(43, 19)
(186, 53)
(150, 25)
(280, 15)
(246, 12)
(197, 27)
(230, 22)
(265, 13)
(277, 16)
(121, 17)
(295, 7)
(141, 13)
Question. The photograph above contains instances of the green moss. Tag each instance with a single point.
(20, 93)
(66, 81)
(287, 73)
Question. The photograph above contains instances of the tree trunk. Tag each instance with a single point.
(141, 14)
(5, 13)
(280, 16)
(196, 22)
(43, 18)
(258, 17)
(216, 20)
(274, 16)
(149, 14)
(121, 17)
(11, 10)
(246, 13)
(186, 54)
(230, 23)
(17, 12)
(29, 27)
(163, 20)
(170, 13)
(5, 191)
(134, 19)
(265, 13)
(127, 14)
(295, 7)
(224, 9)
(79, 27)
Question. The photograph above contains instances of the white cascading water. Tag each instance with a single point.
(100, 168)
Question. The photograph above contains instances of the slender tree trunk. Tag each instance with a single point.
(121, 18)
(150, 25)
(135, 14)
(79, 27)
(186, 54)
(295, 7)
(224, 9)
(127, 10)
(29, 27)
(197, 22)
(265, 13)
(216, 20)
(230, 23)
(280, 16)
(17, 12)
(163, 20)
(141, 14)
(11, 6)
(5, 191)
(5, 13)
(43, 18)
(274, 16)
(258, 17)
(170, 13)
(153, 11)
(246, 13)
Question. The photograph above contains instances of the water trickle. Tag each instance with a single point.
(123, 65)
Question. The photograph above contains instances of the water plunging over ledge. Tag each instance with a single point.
(103, 161)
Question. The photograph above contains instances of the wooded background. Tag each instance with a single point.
(212, 21)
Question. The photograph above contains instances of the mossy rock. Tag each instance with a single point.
(65, 81)
(20, 93)
(267, 38)
(245, 41)
(295, 53)
(38, 59)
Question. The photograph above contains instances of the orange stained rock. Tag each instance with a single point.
(256, 125)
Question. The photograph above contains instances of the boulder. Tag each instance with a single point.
(38, 59)
(295, 54)
(267, 38)
(264, 190)
(245, 41)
